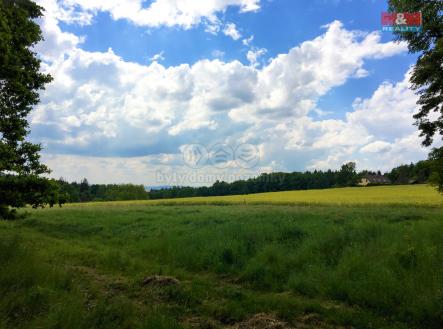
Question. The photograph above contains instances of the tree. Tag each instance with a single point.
(20, 82)
(347, 176)
(436, 164)
(427, 74)
(85, 193)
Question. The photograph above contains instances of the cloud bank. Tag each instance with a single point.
(121, 120)
(181, 13)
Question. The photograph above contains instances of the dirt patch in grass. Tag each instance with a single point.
(313, 320)
(160, 280)
(261, 321)
(270, 321)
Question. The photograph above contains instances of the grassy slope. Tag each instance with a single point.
(82, 266)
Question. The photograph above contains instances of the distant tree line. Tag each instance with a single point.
(85, 192)
(317, 179)
(417, 173)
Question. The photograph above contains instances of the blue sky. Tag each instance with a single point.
(309, 84)
(278, 26)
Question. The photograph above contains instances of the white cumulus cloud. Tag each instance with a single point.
(231, 31)
(182, 13)
(376, 147)
(254, 55)
(103, 106)
(158, 57)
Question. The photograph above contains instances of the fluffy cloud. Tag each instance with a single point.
(132, 117)
(291, 83)
(65, 11)
(231, 31)
(183, 13)
(390, 103)
(247, 41)
(158, 170)
(57, 43)
(378, 134)
(254, 55)
(158, 57)
(376, 147)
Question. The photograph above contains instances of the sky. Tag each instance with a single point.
(150, 92)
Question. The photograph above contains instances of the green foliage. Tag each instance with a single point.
(271, 182)
(17, 191)
(436, 163)
(347, 176)
(20, 83)
(427, 74)
(417, 173)
(85, 192)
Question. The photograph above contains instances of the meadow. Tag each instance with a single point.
(340, 258)
(393, 195)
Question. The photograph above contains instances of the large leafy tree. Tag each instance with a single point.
(20, 82)
(427, 74)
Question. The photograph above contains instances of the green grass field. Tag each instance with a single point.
(340, 258)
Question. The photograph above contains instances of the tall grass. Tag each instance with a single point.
(377, 266)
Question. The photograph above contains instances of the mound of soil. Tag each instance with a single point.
(160, 280)
(262, 321)
(269, 321)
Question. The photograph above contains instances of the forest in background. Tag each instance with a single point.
(86, 192)
(347, 176)
(417, 173)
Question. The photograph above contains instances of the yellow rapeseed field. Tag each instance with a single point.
(398, 194)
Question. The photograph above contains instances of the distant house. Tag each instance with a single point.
(374, 180)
